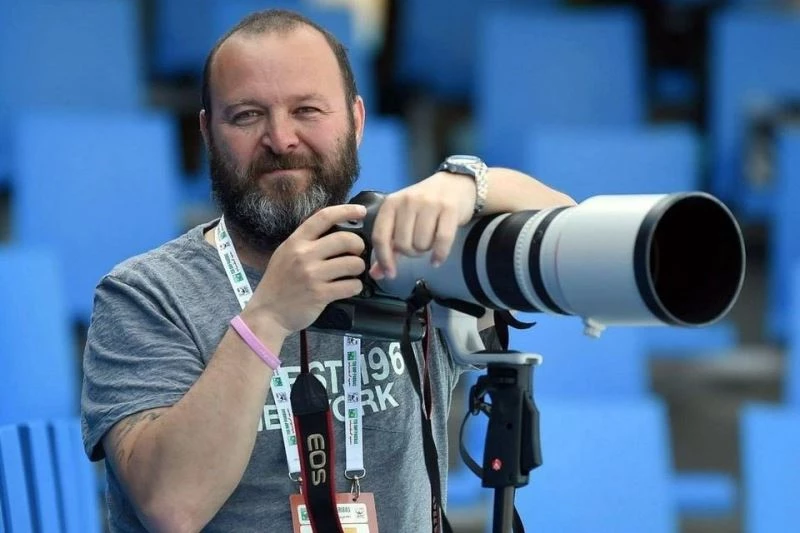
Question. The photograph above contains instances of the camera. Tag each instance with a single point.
(655, 259)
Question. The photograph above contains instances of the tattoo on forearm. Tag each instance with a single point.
(121, 454)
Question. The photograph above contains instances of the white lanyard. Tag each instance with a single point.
(281, 391)
(353, 432)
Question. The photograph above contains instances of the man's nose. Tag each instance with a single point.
(281, 135)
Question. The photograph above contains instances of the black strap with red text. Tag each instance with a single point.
(315, 442)
(418, 300)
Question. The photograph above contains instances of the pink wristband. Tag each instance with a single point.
(254, 343)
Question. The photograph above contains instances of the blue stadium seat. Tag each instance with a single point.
(103, 189)
(48, 485)
(39, 367)
(42, 476)
(791, 376)
(77, 479)
(590, 161)
(180, 42)
(77, 54)
(384, 156)
(545, 69)
(578, 366)
(784, 245)
(769, 440)
(435, 49)
(16, 512)
(752, 63)
(611, 367)
(606, 467)
(585, 162)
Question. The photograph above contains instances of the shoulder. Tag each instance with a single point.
(169, 263)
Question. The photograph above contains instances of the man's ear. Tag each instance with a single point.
(360, 116)
(203, 119)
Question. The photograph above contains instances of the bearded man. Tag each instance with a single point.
(193, 345)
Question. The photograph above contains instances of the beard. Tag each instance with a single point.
(263, 220)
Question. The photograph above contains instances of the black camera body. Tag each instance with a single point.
(371, 313)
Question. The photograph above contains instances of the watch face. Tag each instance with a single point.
(463, 160)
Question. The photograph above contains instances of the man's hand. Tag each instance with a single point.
(420, 218)
(310, 270)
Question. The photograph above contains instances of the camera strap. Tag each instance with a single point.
(314, 424)
(419, 299)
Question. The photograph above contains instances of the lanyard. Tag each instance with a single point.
(281, 391)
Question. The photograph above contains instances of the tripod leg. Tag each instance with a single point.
(503, 510)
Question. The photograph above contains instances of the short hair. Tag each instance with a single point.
(280, 21)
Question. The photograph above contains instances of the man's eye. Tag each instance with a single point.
(245, 117)
(307, 110)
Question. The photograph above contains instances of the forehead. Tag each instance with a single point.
(275, 66)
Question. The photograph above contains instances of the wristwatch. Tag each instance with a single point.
(472, 166)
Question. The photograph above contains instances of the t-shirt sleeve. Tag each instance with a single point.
(136, 358)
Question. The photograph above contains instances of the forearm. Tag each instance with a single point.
(511, 190)
(185, 464)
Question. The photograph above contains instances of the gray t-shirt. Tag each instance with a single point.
(157, 321)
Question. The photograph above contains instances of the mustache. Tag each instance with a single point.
(276, 162)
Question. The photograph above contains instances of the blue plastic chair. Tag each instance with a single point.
(49, 485)
(612, 367)
(791, 376)
(383, 156)
(77, 479)
(38, 365)
(545, 69)
(586, 162)
(14, 499)
(784, 249)
(589, 161)
(606, 467)
(770, 438)
(577, 366)
(41, 475)
(432, 58)
(104, 189)
(752, 62)
(82, 54)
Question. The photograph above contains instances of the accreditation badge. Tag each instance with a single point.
(357, 514)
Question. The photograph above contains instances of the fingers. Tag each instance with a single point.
(323, 220)
(382, 240)
(412, 228)
(446, 229)
(348, 266)
(424, 232)
(345, 288)
(338, 243)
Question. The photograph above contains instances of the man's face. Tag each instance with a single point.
(282, 139)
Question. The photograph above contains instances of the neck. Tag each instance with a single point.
(249, 256)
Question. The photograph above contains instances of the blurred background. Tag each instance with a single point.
(643, 430)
